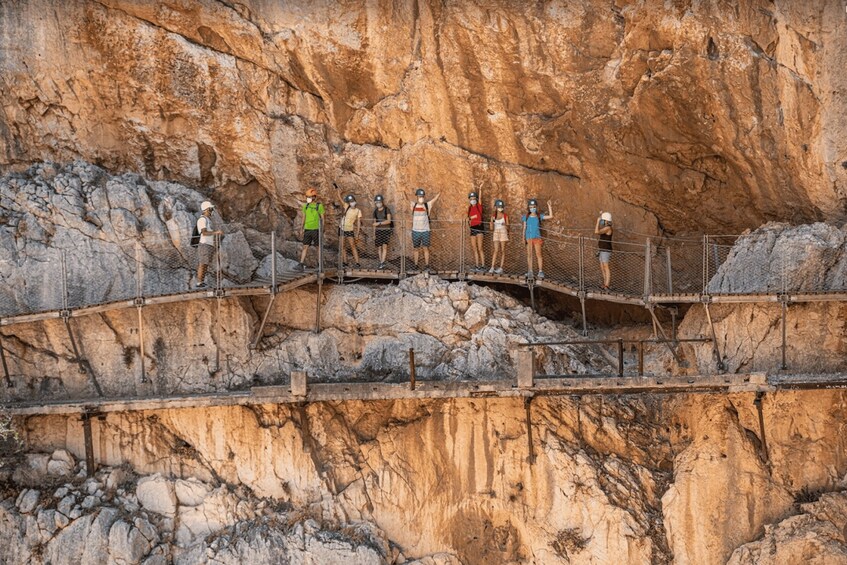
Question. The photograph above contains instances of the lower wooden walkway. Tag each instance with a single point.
(541, 386)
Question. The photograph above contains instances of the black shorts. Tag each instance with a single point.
(311, 237)
(477, 230)
(347, 233)
(382, 237)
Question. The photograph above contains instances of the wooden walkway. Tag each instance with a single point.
(542, 386)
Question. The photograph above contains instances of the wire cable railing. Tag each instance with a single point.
(88, 272)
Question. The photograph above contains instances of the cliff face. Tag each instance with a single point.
(628, 480)
(689, 116)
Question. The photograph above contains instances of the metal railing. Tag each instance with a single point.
(86, 273)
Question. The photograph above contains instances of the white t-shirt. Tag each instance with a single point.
(204, 223)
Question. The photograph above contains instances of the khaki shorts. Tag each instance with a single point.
(205, 252)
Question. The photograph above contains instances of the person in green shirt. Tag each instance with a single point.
(313, 213)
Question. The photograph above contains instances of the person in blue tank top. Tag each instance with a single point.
(532, 234)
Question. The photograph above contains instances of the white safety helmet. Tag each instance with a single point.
(206, 205)
(607, 216)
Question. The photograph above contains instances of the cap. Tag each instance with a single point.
(420, 192)
(472, 195)
(206, 205)
(378, 198)
(606, 216)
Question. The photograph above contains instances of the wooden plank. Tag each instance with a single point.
(543, 386)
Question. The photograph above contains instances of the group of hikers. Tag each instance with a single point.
(350, 227)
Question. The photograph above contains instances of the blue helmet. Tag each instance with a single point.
(349, 198)
(420, 192)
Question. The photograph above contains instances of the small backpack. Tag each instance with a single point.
(386, 212)
(195, 237)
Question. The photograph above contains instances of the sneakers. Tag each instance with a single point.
(357, 266)
(381, 266)
(492, 270)
(499, 271)
(300, 267)
(529, 274)
(540, 274)
(201, 285)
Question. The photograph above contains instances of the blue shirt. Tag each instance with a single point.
(532, 226)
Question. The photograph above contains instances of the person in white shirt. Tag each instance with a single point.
(206, 248)
(420, 225)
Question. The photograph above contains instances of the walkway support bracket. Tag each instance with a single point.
(715, 348)
(261, 328)
(89, 441)
(9, 382)
(527, 404)
(758, 402)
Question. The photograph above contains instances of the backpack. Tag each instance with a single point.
(195, 237)
(386, 211)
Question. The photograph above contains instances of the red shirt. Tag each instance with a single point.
(475, 214)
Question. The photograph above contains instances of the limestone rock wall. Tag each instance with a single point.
(613, 480)
(687, 116)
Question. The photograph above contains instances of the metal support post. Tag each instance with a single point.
(640, 358)
(401, 225)
(412, 368)
(218, 335)
(527, 403)
(462, 251)
(784, 300)
(261, 329)
(582, 268)
(582, 307)
(658, 325)
(9, 382)
(319, 296)
(674, 312)
(648, 271)
(620, 357)
(670, 271)
(705, 264)
(139, 302)
(219, 274)
(531, 285)
(758, 402)
(89, 442)
(273, 262)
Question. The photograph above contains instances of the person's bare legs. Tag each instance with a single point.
(537, 246)
(529, 256)
(478, 255)
(417, 256)
(303, 253)
(343, 250)
(494, 255)
(607, 274)
(201, 272)
(426, 256)
(353, 249)
(383, 253)
(502, 245)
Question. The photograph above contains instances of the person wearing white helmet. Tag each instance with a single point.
(603, 228)
(351, 226)
(206, 248)
(421, 229)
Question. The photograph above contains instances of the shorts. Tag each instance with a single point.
(311, 237)
(382, 237)
(347, 234)
(477, 230)
(420, 239)
(500, 234)
(534, 240)
(205, 252)
(604, 256)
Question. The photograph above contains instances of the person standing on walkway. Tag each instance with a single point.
(532, 234)
(420, 225)
(477, 225)
(351, 226)
(500, 231)
(206, 247)
(383, 228)
(313, 213)
(603, 228)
